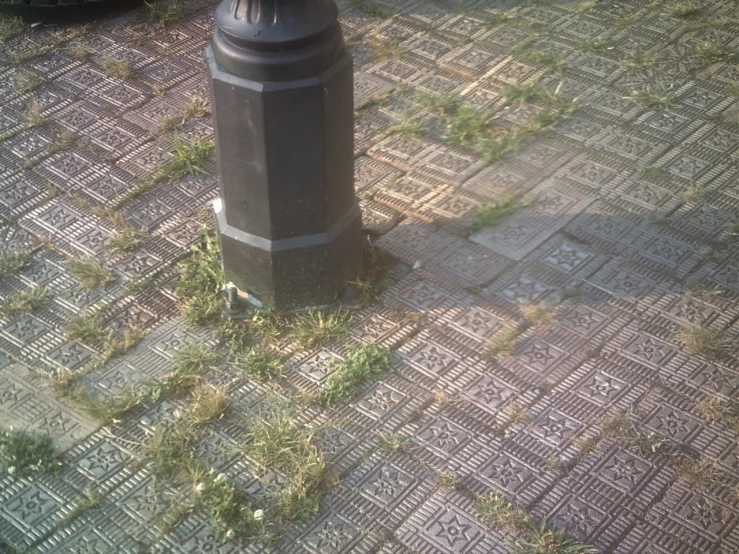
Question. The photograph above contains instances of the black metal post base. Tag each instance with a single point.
(282, 101)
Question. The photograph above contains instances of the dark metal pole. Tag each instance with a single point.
(282, 103)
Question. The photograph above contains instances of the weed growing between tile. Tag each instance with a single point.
(490, 214)
(13, 263)
(701, 341)
(366, 363)
(90, 272)
(23, 302)
(497, 512)
(22, 454)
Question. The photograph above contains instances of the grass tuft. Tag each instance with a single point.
(490, 214)
(90, 499)
(260, 364)
(693, 195)
(392, 442)
(503, 343)
(722, 411)
(201, 281)
(541, 539)
(367, 362)
(165, 11)
(26, 82)
(277, 442)
(409, 127)
(208, 403)
(712, 53)
(90, 272)
(595, 44)
(639, 60)
(24, 302)
(126, 240)
(22, 454)
(87, 329)
(495, 511)
(317, 327)
(188, 159)
(654, 97)
(684, 10)
(700, 474)
(652, 172)
(701, 341)
(230, 513)
(117, 68)
(537, 313)
(620, 428)
(373, 9)
(13, 263)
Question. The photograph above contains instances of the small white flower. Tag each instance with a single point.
(200, 487)
(229, 533)
(258, 515)
(220, 479)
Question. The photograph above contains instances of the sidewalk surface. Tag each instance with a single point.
(557, 184)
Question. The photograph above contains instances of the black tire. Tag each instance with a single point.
(55, 10)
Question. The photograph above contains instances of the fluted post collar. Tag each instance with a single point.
(276, 40)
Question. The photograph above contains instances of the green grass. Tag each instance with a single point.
(365, 363)
(596, 44)
(22, 453)
(201, 282)
(26, 82)
(277, 442)
(721, 411)
(10, 27)
(229, 511)
(188, 159)
(537, 313)
(495, 19)
(165, 11)
(409, 127)
(24, 302)
(652, 172)
(467, 126)
(197, 108)
(373, 9)
(492, 213)
(694, 194)
(317, 327)
(208, 402)
(542, 539)
(260, 364)
(495, 511)
(106, 409)
(684, 10)
(117, 68)
(654, 97)
(91, 498)
(638, 60)
(372, 282)
(700, 474)
(392, 442)
(13, 263)
(503, 343)
(87, 329)
(90, 272)
(620, 428)
(698, 340)
(126, 240)
(196, 358)
(712, 53)
(169, 453)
